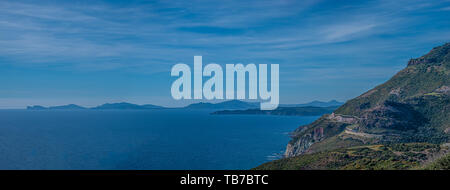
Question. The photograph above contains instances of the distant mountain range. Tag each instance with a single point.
(226, 105)
(64, 107)
(108, 106)
(315, 104)
(241, 105)
(127, 106)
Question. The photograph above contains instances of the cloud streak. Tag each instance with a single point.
(325, 40)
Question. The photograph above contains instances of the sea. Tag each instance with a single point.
(166, 139)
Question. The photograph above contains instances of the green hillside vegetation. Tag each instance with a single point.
(442, 163)
(370, 157)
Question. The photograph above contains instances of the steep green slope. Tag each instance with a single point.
(413, 106)
(440, 164)
(394, 156)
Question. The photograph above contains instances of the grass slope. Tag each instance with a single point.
(370, 157)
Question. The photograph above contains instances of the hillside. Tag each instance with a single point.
(413, 106)
(442, 163)
(369, 157)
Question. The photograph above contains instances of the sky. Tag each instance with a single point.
(92, 52)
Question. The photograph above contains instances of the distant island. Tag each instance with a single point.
(64, 107)
(127, 106)
(231, 105)
(315, 104)
(226, 105)
(292, 111)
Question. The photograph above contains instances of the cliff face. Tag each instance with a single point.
(413, 106)
(302, 144)
(324, 128)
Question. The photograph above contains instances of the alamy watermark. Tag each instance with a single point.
(213, 88)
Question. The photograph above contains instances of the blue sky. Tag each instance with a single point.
(92, 52)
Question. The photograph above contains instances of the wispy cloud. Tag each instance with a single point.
(327, 40)
(343, 31)
(53, 32)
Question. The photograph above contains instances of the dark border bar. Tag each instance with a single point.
(233, 178)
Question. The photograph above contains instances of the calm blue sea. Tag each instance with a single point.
(150, 139)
